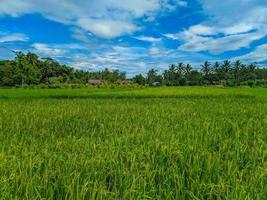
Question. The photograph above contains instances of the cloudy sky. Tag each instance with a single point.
(135, 35)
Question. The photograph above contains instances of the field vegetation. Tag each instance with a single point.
(144, 143)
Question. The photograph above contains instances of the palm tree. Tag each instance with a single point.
(217, 72)
(205, 68)
(249, 72)
(188, 69)
(173, 75)
(226, 66)
(237, 70)
(169, 75)
(216, 67)
(32, 58)
(181, 68)
(152, 76)
(251, 67)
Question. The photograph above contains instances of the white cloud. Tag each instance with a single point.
(238, 28)
(141, 64)
(148, 39)
(229, 12)
(258, 55)
(46, 50)
(56, 50)
(182, 3)
(154, 51)
(107, 28)
(104, 18)
(171, 36)
(220, 44)
(15, 37)
(230, 26)
(202, 30)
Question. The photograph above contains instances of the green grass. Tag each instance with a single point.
(153, 143)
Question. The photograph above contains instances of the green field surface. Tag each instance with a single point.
(149, 143)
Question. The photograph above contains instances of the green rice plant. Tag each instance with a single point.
(148, 143)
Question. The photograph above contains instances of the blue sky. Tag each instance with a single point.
(135, 35)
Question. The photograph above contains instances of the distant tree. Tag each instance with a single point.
(32, 59)
(7, 73)
(152, 77)
(181, 68)
(30, 69)
(217, 68)
(237, 71)
(226, 67)
(250, 72)
(252, 67)
(206, 70)
(171, 76)
(194, 78)
(217, 73)
(261, 73)
(139, 79)
(188, 69)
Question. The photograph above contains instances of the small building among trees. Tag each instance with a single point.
(95, 81)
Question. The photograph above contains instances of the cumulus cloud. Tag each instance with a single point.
(104, 18)
(229, 27)
(182, 3)
(107, 28)
(257, 55)
(154, 51)
(15, 37)
(217, 45)
(202, 30)
(56, 50)
(148, 39)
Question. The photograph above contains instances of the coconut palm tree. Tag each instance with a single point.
(188, 69)
(216, 67)
(237, 71)
(226, 67)
(205, 68)
(181, 68)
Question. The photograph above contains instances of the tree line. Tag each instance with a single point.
(29, 69)
(226, 73)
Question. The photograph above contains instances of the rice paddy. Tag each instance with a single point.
(150, 143)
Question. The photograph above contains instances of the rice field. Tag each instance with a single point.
(151, 143)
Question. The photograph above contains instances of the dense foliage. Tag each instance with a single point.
(29, 69)
(152, 143)
(226, 73)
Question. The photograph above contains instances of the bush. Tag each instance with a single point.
(251, 83)
(182, 81)
(230, 83)
(261, 83)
